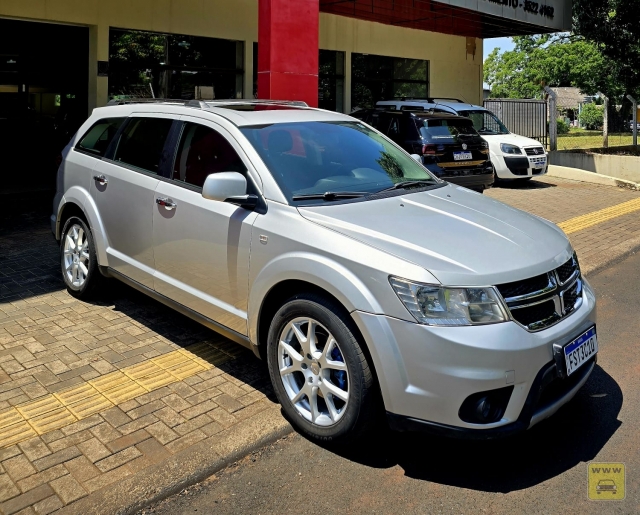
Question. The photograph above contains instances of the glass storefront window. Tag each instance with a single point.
(331, 81)
(148, 64)
(376, 77)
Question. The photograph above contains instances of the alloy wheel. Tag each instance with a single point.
(313, 371)
(76, 256)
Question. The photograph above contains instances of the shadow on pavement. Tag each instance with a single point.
(575, 434)
(30, 266)
(520, 184)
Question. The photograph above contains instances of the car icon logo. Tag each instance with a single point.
(606, 485)
(464, 146)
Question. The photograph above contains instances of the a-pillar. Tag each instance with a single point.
(288, 50)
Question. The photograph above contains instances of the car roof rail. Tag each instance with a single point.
(245, 101)
(125, 101)
(207, 104)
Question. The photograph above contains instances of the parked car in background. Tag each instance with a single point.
(512, 156)
(367, 284)
(448, 145)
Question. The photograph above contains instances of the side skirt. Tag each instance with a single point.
(201, 319)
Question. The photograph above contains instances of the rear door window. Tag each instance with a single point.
(142, 141)
(203, 151)
(96, 140)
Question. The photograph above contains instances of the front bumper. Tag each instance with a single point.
(427, 372)
(520, 167)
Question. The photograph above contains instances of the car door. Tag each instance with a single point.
(123, 189)
(201, 246)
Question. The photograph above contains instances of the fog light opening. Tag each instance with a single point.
(485, 407)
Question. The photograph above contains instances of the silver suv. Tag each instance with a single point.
(365, 282)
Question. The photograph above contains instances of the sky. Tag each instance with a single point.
(502, 43)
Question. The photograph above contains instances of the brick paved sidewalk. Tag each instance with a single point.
(105, 393)
(91, 393)
(560, 200)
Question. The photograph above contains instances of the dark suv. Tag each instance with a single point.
(449, 145)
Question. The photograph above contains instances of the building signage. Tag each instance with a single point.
(549, 15)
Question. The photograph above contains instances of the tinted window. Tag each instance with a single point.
(445, 129)
(204, 151)
(97, 138)
(485, 122)
(142, 141)
(318, 157)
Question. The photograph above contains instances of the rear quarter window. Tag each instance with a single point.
(97, 139)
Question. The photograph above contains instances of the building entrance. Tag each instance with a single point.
(43, 100)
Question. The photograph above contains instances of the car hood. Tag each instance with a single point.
(461, 237)
(511, 139)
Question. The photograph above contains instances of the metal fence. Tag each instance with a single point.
(524, 117)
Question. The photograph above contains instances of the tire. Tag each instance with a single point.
(74, 262)
(314, 370)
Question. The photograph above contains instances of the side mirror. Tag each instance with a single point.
(417, 157)
(228, 187)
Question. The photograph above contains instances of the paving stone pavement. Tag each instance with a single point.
(92, 393)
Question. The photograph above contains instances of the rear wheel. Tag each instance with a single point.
(78, 258)
(319, 371)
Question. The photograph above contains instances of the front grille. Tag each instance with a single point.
(568, 269)
(535, 151)
(541, 301)
(518, 288)
(536, 313)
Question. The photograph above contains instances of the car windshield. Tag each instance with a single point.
(445, 129)
(485, 122)
(335, 159)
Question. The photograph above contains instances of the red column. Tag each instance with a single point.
(288, 50)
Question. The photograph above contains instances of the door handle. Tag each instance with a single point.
(166, 202)
(101, 179)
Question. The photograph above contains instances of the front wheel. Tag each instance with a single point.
(319, 371)
(78, 258)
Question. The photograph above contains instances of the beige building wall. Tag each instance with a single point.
(453, 72)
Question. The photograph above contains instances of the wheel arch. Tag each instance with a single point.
(78, 202)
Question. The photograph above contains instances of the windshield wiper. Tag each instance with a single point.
(330, 195)
(408, 184)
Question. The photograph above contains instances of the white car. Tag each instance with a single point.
(366, 283)
(513, 156)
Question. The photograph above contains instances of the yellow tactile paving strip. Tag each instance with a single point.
(582, 222)
(61, 409)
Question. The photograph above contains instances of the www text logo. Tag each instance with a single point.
(606, 481)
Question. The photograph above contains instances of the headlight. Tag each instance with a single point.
(437, 305)
(510, 149)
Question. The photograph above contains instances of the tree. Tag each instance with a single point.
(613, 26)
(591, 116)
(545, 60)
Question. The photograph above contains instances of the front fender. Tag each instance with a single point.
(319, 270)
(82, 198)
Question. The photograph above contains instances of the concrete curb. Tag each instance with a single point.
(574, 174)
(184, 468)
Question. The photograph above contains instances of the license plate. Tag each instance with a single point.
(580, 350)
(461, 156)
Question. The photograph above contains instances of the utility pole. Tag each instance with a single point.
(635, 120)
(553, 118)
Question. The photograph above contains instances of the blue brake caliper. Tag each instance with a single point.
(340, 376)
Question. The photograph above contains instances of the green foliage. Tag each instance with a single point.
(614, 27)
(563, 126)
(591, 116)
(538, 61)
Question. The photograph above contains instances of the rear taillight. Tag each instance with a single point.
(429, 150)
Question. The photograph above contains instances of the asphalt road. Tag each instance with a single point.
(542, 471)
